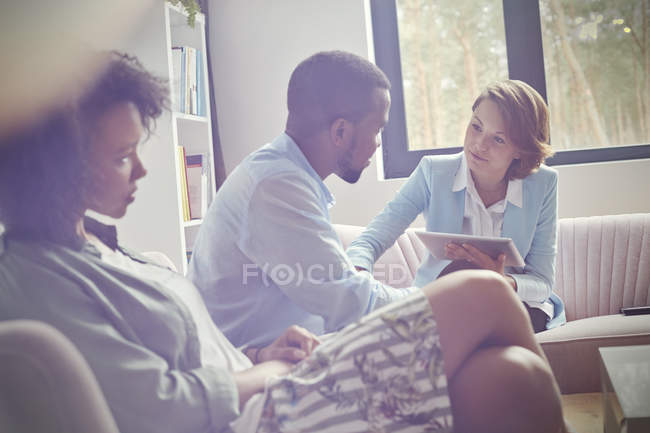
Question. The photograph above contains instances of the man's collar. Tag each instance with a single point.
(300, 158)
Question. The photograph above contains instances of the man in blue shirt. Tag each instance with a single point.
(266, 255)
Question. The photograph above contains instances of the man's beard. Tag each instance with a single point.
(345, 169)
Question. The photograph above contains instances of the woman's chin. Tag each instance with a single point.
(118, 213)
(115, 213)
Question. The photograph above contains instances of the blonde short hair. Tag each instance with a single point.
(527, 123)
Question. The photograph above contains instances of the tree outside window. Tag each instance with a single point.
(597, 68)
(589, 58)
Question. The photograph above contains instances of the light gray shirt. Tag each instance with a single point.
(138, 337)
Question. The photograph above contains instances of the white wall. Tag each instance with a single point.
(257, 43)
(604, 188)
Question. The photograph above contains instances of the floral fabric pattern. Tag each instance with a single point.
(383, 374)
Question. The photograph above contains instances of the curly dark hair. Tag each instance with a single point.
(44, 173)
(124, 79)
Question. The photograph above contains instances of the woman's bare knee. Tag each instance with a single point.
(505, 389)
(482, 295)
(477, 285)
(473, 308)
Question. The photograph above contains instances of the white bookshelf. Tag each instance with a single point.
(191, 131)
(154, 222)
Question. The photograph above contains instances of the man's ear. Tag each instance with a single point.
(340, 130)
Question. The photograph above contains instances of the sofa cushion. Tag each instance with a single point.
(603, 264)
(572, 349)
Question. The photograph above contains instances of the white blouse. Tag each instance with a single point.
(481, 221)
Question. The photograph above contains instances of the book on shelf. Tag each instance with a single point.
(178, 68)
(188, 81)
(180, 150)
(197, 184)
(200, 100)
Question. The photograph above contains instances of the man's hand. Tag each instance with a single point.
(293, 346)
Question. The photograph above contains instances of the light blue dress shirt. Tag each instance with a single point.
(429, 190)
(267, 257)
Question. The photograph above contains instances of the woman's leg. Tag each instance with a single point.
(499, 379)
(537, 317)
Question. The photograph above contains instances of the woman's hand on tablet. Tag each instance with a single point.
(476, 256)
(480, 259)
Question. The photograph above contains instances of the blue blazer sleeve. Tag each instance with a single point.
(398, 214)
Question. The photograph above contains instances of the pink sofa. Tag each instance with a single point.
(603, 264)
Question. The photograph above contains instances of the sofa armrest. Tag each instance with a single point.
(47, 385)
(572, 349)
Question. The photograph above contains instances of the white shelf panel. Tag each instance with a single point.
(193, 223)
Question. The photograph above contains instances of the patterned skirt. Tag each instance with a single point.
(382, 374)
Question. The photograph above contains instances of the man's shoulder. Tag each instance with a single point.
(265, 165)
(269, 161)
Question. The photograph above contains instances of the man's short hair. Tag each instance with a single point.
(331, 85)
(527, 123)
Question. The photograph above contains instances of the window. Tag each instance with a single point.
(592, 56)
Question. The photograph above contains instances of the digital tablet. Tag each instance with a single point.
(435, 243)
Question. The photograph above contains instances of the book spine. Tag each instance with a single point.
(196, 185)
(183, 179)
(183, 84)
(191, 78)
(177, 80)
(188, 84)
(200, 98)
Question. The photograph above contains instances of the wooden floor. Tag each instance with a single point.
(584, 412)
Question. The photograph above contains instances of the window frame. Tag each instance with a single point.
(523, 32)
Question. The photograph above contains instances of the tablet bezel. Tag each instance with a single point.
(435, 242)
